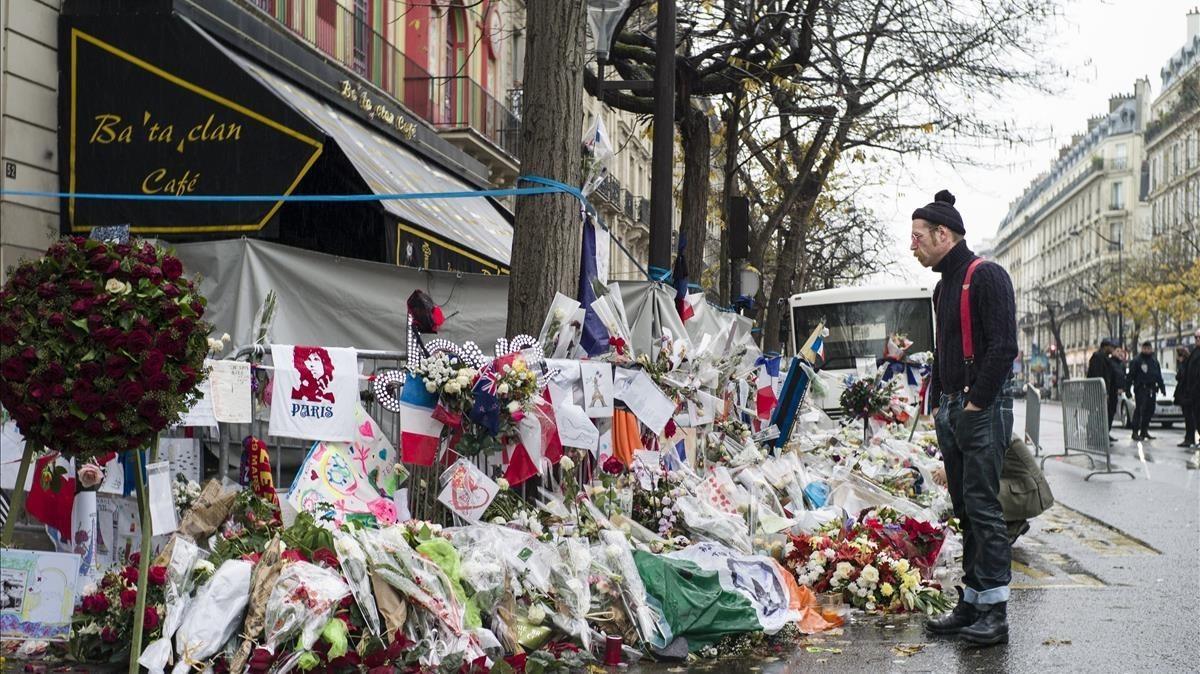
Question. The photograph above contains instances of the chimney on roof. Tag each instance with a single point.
(1193, 24)
(1115, 102)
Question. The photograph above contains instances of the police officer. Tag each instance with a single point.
(1145, 377)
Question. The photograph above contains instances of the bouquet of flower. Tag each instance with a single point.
(303, 600)
(103, 622)
(101, 345)
(865, 397)
(184, 492)
(896, 346)
(869, 572)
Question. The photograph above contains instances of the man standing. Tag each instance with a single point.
(974, 415)
(1190, 398)
(1145, 377)
(1100, 367)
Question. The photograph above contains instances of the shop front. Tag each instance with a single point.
(186, 100)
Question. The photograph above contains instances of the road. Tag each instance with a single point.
(1105, 581)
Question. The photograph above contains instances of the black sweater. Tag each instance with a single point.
(993, 328)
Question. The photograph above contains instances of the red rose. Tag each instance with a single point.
(138, 340)
(93, 426)
(116, 366)
(122, 249)
(53, 373)
(94, 322)
(169, 309)
(29, 354)
(47, 290)
(147, 408)
(147, 255)
(150, 621)
(130, 574)
(128, 596)
(135, 558)
(108, 635)
(89, 372)
(96, 247)
(8, 334)
(81, 287)
(172, 268)
(159, 382)
(96, 603)
(198, 308)
(293, 555)
(171, 290)
(83, 305)
(152, 363)
(14, 369)
(613, 466)
(57, 251)
(130, 392)
(56, 320)
(158, 575)
(139, 271)
(260, 660)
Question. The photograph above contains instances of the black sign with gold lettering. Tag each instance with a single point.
(150, 106)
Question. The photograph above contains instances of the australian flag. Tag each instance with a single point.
(486, 408)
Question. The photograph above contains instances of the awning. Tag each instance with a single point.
(470, 227)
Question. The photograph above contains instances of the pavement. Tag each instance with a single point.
(1107, 580)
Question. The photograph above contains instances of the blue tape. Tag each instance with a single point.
(660, 274)
(548, 186)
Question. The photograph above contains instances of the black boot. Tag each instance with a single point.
(991, 628)
(963, 615)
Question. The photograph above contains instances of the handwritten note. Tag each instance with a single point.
(162, 504)
(230, 386)
(651, 406)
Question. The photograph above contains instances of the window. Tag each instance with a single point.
(1114, 235)
(1175, 159)
(362, 37)
(1117, 200)
(1121, 157)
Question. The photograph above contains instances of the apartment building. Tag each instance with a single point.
(1066, 238)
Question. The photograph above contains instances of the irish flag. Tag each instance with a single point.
(419, 431)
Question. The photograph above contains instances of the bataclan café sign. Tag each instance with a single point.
(160, 110)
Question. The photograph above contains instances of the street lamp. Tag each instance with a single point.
(1076, 231)
(604, 16)
(748, 280)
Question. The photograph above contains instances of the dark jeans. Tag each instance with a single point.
(1112, 408)
(1143, 411)
(1191, 417)
(973, 445)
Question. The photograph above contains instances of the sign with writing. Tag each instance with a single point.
(375, 109)
(153, 108)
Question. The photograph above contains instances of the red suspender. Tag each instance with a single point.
(964, 313)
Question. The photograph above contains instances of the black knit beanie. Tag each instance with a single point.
(942, 212)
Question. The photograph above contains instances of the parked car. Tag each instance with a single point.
(1166, 412)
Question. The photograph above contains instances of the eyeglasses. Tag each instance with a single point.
(917, 238)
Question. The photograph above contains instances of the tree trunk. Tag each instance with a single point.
(729, 187)
(547, 230)
(697, 145)
(788, 263)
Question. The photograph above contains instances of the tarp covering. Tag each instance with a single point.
(334, 301)
(693, 601)
(650, 307)
(472, 224)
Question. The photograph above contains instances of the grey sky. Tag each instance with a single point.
(1105, 45)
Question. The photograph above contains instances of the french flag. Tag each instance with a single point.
(419, 431)
(768, 385)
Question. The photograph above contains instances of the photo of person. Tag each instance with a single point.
(315, 368)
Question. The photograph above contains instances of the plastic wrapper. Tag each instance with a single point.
(303, 600)
(618, 556)
(262, 582)
(176, 594)
(214, 616)
(438, 618)
(353, 561)
(706, 522)
(570, 580)
(480, 570)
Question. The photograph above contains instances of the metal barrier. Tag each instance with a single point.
(423, 483)
(1033, 419)
(1085, 423)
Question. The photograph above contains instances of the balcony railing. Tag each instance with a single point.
(347, 36)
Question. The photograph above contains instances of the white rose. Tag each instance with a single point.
(513, 407)
(502, 484)
(536, 614)
(431, 387)
(870, 574)
(829, 553)
(566, 463)
(451, 387)
(502, 389)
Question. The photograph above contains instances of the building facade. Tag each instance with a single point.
(293, 97)
(1067, 237)
(1173, 172)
